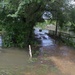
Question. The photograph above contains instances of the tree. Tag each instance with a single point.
(19, 19)
(72, 18)
(59, 10)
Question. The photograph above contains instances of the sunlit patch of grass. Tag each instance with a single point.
(41, 25)
(45, 23)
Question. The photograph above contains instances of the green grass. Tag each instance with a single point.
(41, 25)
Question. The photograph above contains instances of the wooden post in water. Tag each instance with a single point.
(30, 52)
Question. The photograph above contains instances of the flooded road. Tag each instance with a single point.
(41, 35)
(54, 59)
(62, 56)
(49, 46)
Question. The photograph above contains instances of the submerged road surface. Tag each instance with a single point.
(62, 56)
(54, 59)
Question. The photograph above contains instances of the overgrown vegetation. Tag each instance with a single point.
(20, 16)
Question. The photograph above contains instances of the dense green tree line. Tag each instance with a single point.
(18, 17)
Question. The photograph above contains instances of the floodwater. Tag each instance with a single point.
(54, 59)
(0, 41)
(49, 46)
(63, 56)
(42, 36)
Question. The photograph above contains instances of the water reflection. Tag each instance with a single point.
(42, 36)
(49, 47)
(0, 41)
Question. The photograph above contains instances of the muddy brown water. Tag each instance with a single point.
(62, 56)
(54, 59)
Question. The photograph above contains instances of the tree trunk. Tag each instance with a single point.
(56, 30)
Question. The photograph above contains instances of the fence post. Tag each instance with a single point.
(30, 52)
